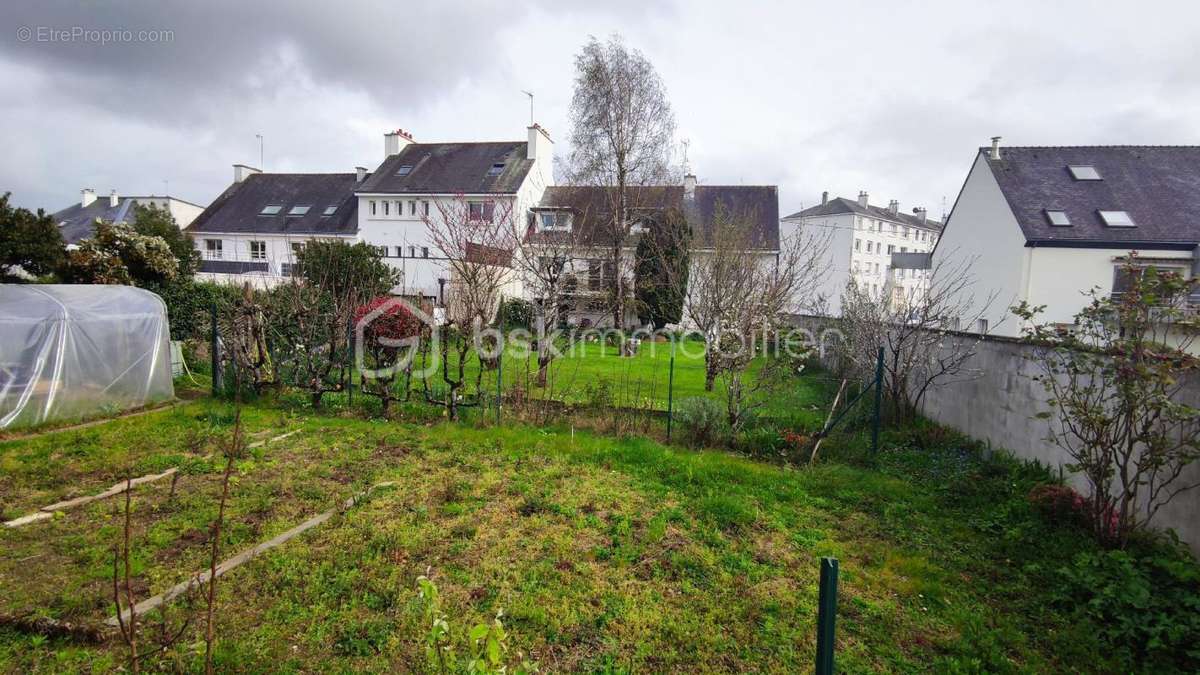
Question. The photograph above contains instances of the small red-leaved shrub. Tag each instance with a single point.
(1059, 504)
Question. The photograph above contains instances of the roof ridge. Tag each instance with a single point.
(1082, 147)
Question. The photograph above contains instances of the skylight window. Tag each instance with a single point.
(496, 169)
(299, 210)
(1116, 219)
(404, 170)
(270, 210)
(1084, 172)
(1058, 217)
(329, 210)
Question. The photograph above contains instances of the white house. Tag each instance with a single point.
(863, 238)
(253, 231)
(77, 221)
(1047, 224)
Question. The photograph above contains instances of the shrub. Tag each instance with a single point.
(598, 394)
(762, 443)
(515, 313)
(1148, 606)
(701, 421)
(1059, 504)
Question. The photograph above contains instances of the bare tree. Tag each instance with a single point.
(913, 324)
(737, 294)
(544, 258)
(477, 239)
(622, 134)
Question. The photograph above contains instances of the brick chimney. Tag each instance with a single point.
(894, 207)
(395, 141)
(87, 196)
(863, 200)
(113, 199)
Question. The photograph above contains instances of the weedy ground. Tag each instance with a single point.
(606, 553)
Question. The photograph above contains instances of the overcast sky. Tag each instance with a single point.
(889, 97)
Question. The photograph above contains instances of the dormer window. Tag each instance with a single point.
(1116, 219)
(1084, 172)
(1058, 217)
(270, 210)
(404, 170)
(555, 221)
(496, 169)
(298, 210)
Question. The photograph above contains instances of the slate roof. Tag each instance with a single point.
(78, 222)
(758, 205)
(839, 205)
(238, 209)
(452, 168)
(1159, 186)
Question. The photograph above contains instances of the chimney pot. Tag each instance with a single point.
(995, 147)
(894, 206)
(87, 196)
(395, 141)
(863, 199)
(824, 197)
(113, 199)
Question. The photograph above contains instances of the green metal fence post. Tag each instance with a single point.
(215, 350)
(827, 615)
(499, 378)
(350, 360)
(671, 389)
(878, 403)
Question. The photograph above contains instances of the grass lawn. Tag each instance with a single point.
(591, 371)
(606, 554)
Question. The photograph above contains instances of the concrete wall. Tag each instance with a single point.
(998, 405)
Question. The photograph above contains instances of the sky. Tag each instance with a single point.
(889, 97)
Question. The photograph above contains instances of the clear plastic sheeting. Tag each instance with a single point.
(73, 352)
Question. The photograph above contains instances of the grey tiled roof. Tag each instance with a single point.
(840, 205)
(757, 205)
(1159, 186)
(77, 222)
(452, 168)
(238, 209)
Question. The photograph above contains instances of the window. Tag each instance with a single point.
(555, 220)
(270, 210)
(1116, 219)
(399, 251)
(372, 203)
(904, 249)
(381, 251)
(424, 251)
(496, 169)
(478, 211)
(299, 210)
(412, 251)
(412, 207)
(894, 228)
(404, 170)
(856, 267)
(983, 325)
(387, 208)
(906, 232)
(297, 249)
(425, 205)
(258, 250)
(891, 249)
(1057, 217)
(1084, 172)
(329, 211)
(212, 248)
(1122, 276)
(857, 244)
(869, 246)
